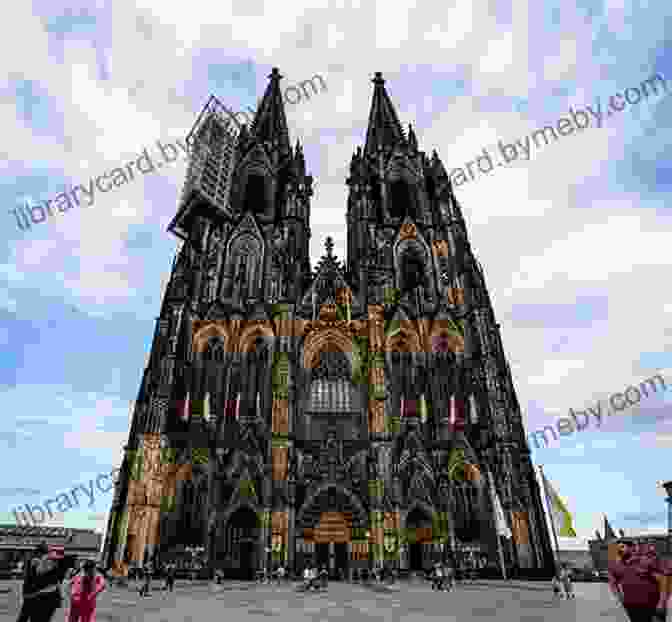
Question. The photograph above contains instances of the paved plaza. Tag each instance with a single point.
(414, 602)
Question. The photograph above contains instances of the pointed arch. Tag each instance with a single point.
(419, 504)
(406, 340)
(413, 250)
(319, 341)
(354, 499)
(244, 262)
(444, 338)
(254, 330)
(213, 330)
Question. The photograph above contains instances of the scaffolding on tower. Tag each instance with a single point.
(212, 146)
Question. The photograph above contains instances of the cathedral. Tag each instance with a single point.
(359, 413)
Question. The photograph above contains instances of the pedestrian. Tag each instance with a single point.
(566, 579)
(557, 590)
(147, 583)
(437, 576)
(281, 574)
(324, 576)
(634, 579)
(170, 577)
(449, 577)
(84, 590)
(42, 585)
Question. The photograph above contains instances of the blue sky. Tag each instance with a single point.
(574, 242)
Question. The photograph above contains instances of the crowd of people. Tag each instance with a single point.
(637, 577)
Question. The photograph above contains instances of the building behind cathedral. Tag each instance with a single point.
(349, 414)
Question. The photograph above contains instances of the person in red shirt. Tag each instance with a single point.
(635, 581)
(84, 591)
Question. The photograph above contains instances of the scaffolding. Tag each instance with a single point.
(211, 143)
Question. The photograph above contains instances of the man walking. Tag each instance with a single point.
(634, 580)
(147, 584)
(42, 585)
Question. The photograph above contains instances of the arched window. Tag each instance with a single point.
(244, 266)
(400, 199)
(331, 389)
(412, 271)
(255, 196)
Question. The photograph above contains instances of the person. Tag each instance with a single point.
(557, 593)
(634, 581)
(449, 577)
(566, 579)
(437, 579)
(42, 585)
(281, 574)
(147, 583)
(170, 577)
(84, 590)
(324, 576)
(306, 577)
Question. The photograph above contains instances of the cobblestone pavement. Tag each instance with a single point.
(414, 602)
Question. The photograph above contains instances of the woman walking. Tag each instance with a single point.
(84, 590)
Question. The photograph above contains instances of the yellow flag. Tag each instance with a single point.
(560, 515)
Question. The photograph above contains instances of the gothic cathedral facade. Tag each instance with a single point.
(358, 414)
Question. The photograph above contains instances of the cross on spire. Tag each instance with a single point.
(329, 245)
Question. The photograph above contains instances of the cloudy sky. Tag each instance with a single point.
(572, 237)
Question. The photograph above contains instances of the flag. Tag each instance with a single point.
(183, 409)
(560, 516)
(500, 519)
(423, 409)
(456, 421)
(206, 408)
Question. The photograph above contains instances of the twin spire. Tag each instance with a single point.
(384, 129)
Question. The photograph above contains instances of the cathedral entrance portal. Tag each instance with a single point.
(327, 520)
(242, 538)
(419, 530)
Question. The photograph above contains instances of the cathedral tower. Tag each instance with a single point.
(361, 414)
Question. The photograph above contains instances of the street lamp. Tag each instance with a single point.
(668, 489)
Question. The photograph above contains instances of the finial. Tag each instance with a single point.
(275, 74)
(378, 78)
(329, 245)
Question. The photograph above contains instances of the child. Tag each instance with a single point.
(84, 590)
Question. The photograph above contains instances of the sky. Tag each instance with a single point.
(573, 239)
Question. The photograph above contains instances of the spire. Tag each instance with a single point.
(329, 246)
(384, 127)
(609, 533)
(412, 139)
(270, 122)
